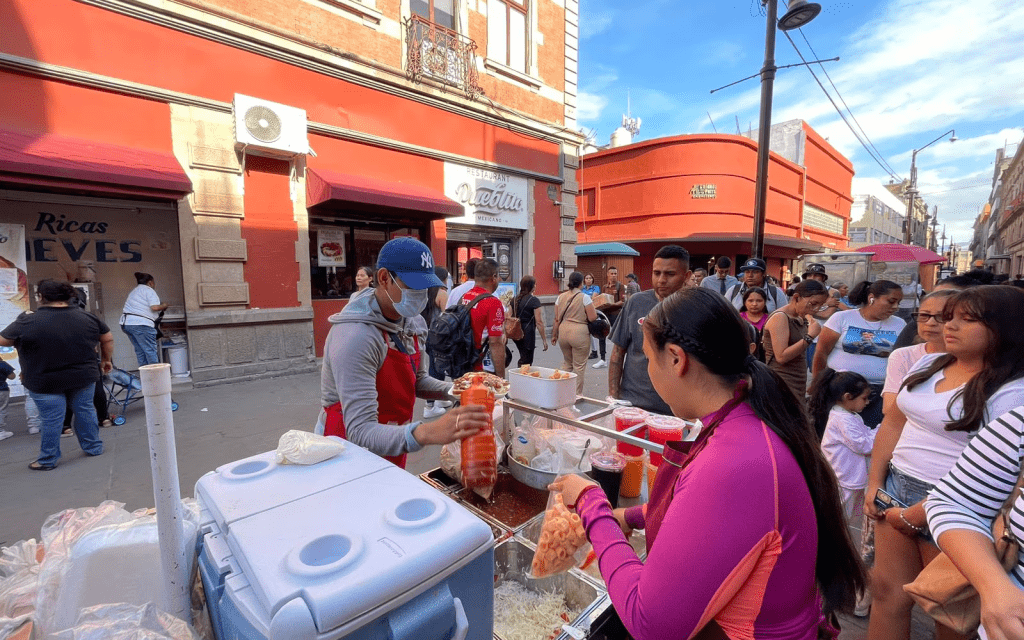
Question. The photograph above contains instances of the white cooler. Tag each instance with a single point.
(350, 548)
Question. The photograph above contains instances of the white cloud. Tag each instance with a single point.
(589, 106)
(595, 23)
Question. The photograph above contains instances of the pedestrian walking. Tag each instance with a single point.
(597, 346)
(754, 275)
(753, 312)
(141, 310)
(632, 285)
(6, 373)
(57, 350)
(722, 281)
(526, 307)
(573, 311)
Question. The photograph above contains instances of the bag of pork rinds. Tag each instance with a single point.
(563, 542)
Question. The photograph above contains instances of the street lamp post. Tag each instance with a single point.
(912, 189)
(800, 13)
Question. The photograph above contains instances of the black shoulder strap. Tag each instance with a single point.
(733, 291)
(472, 303)
(775, 295)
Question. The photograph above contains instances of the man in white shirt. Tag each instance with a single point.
(456, 294)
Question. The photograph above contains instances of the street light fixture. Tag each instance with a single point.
(912, 189)
(800, 13)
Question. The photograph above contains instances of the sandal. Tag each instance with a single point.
(67, 432)
(35, 466)
(107, 423)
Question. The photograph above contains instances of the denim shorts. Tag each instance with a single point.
(908, 490)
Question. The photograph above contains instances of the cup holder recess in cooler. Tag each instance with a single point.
(324, 555)
(248, 469)
(416, 512)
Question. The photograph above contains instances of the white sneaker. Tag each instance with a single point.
(600, 364)
(5, 434)
(33, 430)
(434, 411)
(447, 404)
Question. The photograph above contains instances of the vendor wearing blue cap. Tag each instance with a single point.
(373, 370)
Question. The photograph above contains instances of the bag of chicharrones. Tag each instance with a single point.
(563, 542)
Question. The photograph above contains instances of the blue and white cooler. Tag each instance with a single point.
(352, 548)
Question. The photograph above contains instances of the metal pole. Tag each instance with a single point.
(764, 134)
(163, 460)
(911, 193)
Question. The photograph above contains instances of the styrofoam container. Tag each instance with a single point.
(542, 392)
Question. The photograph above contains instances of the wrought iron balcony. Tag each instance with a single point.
(442, 55)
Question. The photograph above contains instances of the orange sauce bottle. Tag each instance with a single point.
(479, 464)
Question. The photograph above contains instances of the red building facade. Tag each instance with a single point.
(121, 112)
(698, 191)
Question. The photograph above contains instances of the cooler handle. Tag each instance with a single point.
(434, 614)
(461, 621)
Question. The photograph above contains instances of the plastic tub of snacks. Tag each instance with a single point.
(541, 387)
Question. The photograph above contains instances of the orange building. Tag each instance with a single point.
(127, 140)
(698, 191)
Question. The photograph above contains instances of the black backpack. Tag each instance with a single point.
(450, 340)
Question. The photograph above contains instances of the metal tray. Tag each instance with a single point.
(512, 561)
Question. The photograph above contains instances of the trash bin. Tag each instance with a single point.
(176, 354)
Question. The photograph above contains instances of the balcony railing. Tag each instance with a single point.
(442, 55)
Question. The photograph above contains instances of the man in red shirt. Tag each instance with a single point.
(488, 318)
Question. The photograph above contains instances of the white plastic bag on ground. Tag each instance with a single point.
(127, 622)
(303, 447)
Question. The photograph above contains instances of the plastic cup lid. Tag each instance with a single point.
(666, 422)
(608, 460)
(630, 412)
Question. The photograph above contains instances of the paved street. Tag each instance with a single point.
(214, 426)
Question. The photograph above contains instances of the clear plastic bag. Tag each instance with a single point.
(24, 554)
(121, 621)
(563, 542)
(303, 447)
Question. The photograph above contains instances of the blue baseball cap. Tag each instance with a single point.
(411, 261)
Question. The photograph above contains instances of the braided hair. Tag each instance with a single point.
(710, 330)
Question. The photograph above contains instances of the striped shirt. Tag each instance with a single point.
(975, 489)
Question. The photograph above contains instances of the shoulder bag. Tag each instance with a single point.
(946, 595)
(513, 326)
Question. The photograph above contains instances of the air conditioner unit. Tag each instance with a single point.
(268, 128)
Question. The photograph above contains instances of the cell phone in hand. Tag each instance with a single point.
(885, 501)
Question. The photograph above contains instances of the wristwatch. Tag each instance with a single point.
(808, 338)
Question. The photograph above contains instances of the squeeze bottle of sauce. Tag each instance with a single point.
(479, 464)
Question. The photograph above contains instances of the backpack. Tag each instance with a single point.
(450, 340)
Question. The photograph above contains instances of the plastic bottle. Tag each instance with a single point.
(479, 457)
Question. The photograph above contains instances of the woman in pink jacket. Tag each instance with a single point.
(745, 532)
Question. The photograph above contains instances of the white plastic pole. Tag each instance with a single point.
(163, 458)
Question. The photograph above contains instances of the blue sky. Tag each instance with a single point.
(909, 70)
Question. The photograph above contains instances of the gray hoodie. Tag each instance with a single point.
(354, 352)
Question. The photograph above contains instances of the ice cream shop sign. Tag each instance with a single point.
(490, 198)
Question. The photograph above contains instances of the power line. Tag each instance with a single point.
(850, 111)
(871, 153)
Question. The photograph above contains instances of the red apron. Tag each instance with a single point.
(396, 393)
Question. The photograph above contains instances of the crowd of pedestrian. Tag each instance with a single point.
(821, 409)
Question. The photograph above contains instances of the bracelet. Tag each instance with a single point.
(907, 522)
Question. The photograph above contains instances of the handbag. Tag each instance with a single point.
(513, 326)
(946, 595)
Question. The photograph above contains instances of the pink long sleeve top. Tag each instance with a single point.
(737, 545)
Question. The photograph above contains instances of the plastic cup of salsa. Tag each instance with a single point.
(627, 418)
(662, 429)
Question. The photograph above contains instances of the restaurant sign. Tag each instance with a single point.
(490, 198)
(704, 191)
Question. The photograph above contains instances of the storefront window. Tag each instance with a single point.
(339, 248)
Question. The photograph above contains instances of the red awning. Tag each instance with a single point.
(73, 164)
(342, 190)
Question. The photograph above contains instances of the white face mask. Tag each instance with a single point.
(412, 303)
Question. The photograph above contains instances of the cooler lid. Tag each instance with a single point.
(355, 547)
(245, 487)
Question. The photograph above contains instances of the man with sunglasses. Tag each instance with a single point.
(373, 370)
